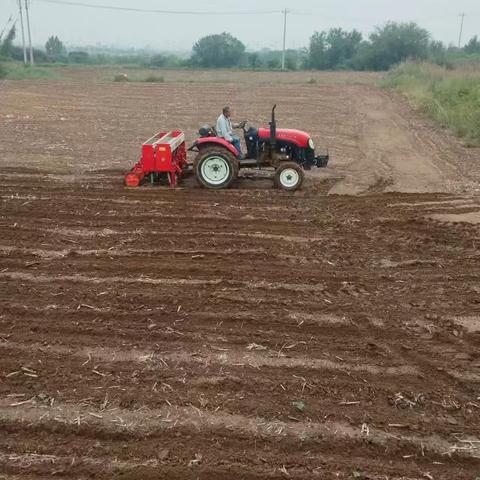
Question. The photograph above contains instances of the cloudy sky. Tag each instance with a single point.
(80, 25)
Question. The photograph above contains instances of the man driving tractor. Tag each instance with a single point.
(225, 130)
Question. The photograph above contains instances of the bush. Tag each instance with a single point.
(153, 78)
(3, 71)
(121, 77)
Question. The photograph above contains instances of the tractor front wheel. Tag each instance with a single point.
(215, 168)
(289, 176)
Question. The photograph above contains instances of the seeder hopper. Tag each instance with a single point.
(165, 153)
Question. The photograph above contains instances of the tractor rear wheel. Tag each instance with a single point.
(289, 176)
(215, 168)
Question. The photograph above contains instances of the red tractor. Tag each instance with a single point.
(217, 162)
(288, 151)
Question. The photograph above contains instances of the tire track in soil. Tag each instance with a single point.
(221, 380)
(147, 422)
(143, 424)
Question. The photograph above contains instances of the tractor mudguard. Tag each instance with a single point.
(214, 142)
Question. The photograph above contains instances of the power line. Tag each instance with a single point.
(171, 12)
(241, 12)
(334, 17)
(313, 13)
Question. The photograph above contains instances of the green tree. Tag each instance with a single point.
(221, 50)
(391, 44)
(274, 64)
(342, 47)
(334, 49)
(473, 46)
(291, 61)
(253, 60)
(6, 47)
(438, 53)
(79, 57)
(158, 60)
(316, 53)
(55, 48)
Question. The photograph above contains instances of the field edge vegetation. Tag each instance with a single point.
(17, 71)
(449, 96)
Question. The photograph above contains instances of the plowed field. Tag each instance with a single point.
(241, 334)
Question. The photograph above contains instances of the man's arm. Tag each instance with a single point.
(239, 125)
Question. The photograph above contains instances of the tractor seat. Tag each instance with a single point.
(207, 131)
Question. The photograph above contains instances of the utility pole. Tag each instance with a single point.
(284, 36)
(461, 31)
(23, 32)
(29, 33)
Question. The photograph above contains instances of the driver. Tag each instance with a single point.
(225, 130)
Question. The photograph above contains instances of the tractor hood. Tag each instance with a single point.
(297, 137)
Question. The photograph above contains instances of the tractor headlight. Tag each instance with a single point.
(311, 144)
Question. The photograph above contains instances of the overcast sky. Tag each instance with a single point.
(77, 25)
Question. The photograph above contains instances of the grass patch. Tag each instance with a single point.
(19, 71)
(451, 97)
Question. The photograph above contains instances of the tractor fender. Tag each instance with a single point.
(215, 142)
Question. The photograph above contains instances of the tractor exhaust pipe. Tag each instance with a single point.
(273, 129)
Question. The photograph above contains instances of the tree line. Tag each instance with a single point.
(334, 49)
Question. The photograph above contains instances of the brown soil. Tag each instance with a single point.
(239, 334)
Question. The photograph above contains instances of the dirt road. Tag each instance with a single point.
(242, 334)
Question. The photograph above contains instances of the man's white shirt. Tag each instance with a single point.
(224, 128)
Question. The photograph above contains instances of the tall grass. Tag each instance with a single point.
(452, 97)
